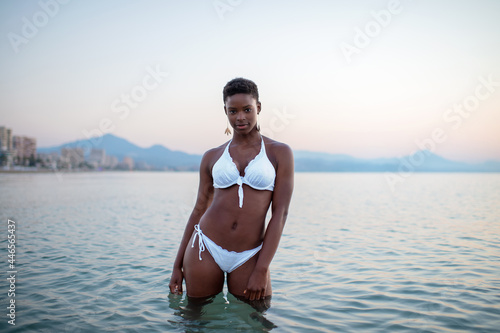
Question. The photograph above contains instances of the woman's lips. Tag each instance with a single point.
(241, 126)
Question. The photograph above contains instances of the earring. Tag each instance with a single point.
(227, 131)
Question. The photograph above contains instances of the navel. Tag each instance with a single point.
(235, 225)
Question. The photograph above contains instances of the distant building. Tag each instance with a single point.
(24, 147)
(128, 162)
(72, 157)
(5, 139)
(97, 157)
(6, 158)
(110, 162)
(23, 150)
(49, 160)
(141, 165)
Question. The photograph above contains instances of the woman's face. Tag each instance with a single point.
(242, 110)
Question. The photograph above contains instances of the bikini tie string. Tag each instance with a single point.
(240, 190)
(201, 245)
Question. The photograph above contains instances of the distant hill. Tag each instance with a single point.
(421, 161)
(156, 155)
(161, 157)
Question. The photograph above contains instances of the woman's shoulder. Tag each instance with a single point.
(277, 148)
(215, 152)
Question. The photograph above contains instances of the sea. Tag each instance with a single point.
(93, 252)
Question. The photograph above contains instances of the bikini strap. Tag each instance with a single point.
(226, 150)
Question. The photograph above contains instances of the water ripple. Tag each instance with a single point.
(354, 259)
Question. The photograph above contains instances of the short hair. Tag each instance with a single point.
(240, 85)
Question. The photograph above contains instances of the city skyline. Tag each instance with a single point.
(368, 79)
(18, 149)
(19, 152)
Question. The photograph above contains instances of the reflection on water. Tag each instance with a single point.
(95, 252)
(220, 312)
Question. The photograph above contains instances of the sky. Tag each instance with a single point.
(365, 78)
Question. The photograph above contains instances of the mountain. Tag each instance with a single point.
(420, 161)
(161, 157)
(156, 155)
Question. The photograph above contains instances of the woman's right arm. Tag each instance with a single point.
(203, 201)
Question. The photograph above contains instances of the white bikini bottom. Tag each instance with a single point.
(228, 261)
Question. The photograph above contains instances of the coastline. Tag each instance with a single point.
(81, 171)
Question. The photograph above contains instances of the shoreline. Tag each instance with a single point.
(76, 171)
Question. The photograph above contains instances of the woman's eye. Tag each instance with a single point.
(248, 110)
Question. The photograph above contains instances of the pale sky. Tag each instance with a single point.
(364, 78)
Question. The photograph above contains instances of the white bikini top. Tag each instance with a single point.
(259, 173)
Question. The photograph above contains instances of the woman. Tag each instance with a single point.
(226, 232)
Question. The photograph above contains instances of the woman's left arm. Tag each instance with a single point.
(282, 194)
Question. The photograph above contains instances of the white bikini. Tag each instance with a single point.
(260, 175)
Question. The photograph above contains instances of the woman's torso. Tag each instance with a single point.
(233, 227)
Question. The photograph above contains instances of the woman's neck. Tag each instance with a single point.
(247, 139)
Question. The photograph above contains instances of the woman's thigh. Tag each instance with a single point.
(203, 277)
(237, 280)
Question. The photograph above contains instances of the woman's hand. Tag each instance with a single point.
(176, 281)
(257, 285)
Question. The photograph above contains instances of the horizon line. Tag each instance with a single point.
(425, 151)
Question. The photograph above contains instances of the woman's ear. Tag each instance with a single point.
(259, 107)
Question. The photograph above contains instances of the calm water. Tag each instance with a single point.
(95, 250)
